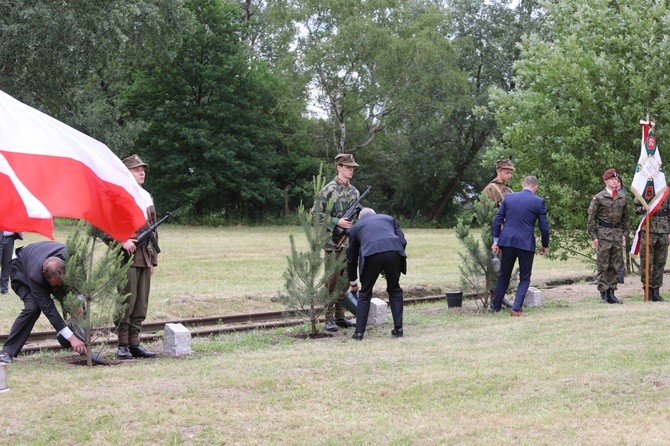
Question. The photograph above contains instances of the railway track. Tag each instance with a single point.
(204, 326)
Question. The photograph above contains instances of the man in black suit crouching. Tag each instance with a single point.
(378, 244)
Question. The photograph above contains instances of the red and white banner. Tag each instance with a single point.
(651, 210)
(71, 174)
(649, 185)
(649, 179)
(21, 211)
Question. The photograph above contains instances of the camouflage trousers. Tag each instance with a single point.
(335, 310)
(658, 255)
(609, 259)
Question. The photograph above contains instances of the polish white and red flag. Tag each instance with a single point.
(50, 169)
(649, 185)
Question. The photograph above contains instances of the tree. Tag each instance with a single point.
(477, 272)
(306, 277)
(581, 90)
(73, 59)
(215, 131)
(93, 281)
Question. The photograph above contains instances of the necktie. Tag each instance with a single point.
(614, 193)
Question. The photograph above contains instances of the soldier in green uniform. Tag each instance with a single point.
(659, 238)
(342, 194)
(608, 224)
(498, 188)
(496, 191)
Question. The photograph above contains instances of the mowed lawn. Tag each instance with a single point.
(570, 372)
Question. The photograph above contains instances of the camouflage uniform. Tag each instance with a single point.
(608, 222)
(659, 228)
(342, 196)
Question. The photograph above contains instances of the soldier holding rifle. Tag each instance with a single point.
(342, 194)
(142, 251)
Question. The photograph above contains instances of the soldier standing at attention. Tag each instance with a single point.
(343, 195)
(608, 224)
(143, 261)
(496, 191)
(659, 238)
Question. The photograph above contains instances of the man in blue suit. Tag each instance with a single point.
(514, 236)
(377, 243)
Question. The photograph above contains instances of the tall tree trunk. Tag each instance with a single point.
(477, 141)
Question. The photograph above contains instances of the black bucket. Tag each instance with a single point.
(454, 299)
(351, 302)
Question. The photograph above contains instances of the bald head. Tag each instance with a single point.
(53, 269)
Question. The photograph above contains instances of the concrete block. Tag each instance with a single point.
(533, 298)
(176, 340)
(378, 313)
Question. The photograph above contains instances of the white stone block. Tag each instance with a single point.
(176, 340)
(533, 298)
(3, 378)
(378, 313)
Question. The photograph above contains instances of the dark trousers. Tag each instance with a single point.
(24, 323)
(507, 261)
(390, 263)
(6, 251)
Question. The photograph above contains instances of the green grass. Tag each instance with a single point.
(211, 271)
(571, 372)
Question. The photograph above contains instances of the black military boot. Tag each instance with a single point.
(123, 352)
(656, 295)
(603, 297)
(611, 298)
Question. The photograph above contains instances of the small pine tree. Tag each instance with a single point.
(306, 277)
(94, 280)
(477, 273)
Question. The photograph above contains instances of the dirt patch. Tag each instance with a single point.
(588, 289)
(318, 335)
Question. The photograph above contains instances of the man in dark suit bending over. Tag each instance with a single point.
(377, 243)
(38, 272)
(514, 236)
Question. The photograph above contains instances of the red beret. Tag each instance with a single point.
(609, 173)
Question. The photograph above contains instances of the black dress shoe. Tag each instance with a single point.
(139, 352)
(344, 323)
(358, 336)
(123, 352)
(396, 333)
(331, 326)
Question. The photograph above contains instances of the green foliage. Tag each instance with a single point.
(477, 274)
(93, 281)
(307, 275)
(217, 138)
(72, 59)
(581, 90)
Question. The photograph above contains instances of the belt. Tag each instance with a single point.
(605, 224)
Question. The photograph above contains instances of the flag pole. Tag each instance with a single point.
(646, 259)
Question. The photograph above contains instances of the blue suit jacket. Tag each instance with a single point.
(374, 234)
(514, 224)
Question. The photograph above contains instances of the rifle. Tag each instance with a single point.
(340, 234)
(148, 234)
